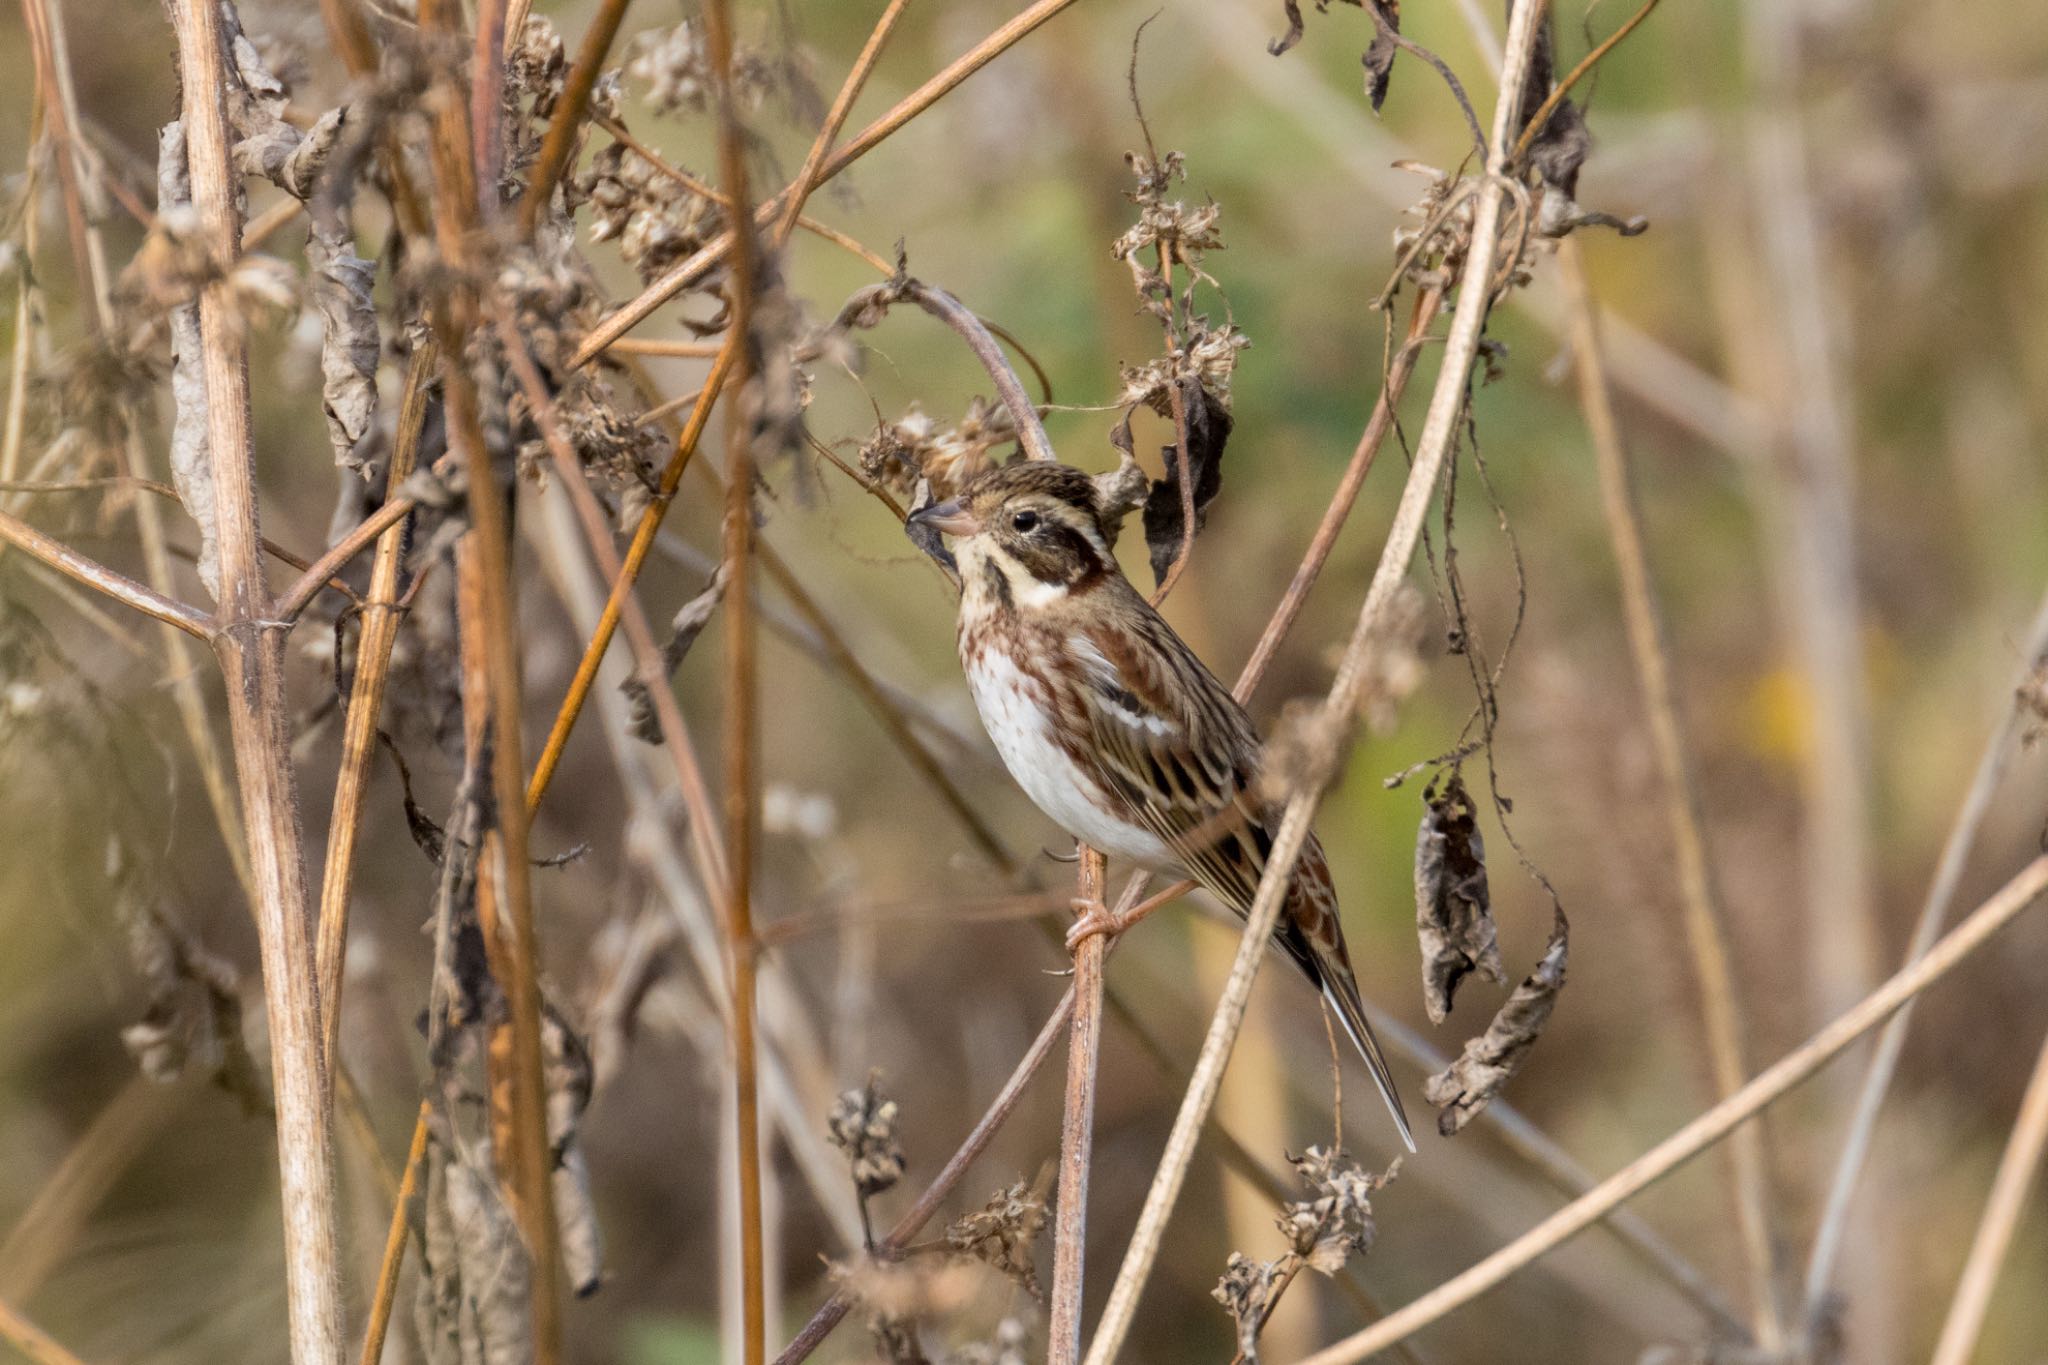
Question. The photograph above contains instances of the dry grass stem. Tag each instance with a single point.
(2017, 1169)
(1705, 920)
(1703, 1132)
(1978, 803)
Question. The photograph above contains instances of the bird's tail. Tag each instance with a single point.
(1342, 994)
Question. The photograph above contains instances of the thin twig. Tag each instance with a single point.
(1705, 920)
(560, 142)
(321, 571)
(1077, 1127)
(1941, 892)
(742, 698)
(835, 1309)
(386, 1293)
(1440, 426)
(374, 642)
(1399, 369)
(1703, 1132)
(31, 1340)
(97, 576)
(682, 276)
(2008, 1200)
(835, 119)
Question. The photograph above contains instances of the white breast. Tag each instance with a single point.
(1013, 709)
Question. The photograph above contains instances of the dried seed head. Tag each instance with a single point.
(863, 1125)
(915, 446)
(1335, 1222)
(675, 65)
(1002, 1232)
(1247, 1291)
(656, 221)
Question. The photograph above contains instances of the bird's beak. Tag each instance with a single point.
(950, 517)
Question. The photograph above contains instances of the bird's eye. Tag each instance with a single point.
(1025, 521)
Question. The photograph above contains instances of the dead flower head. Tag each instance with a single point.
(656, 221)
(1002, 1232)
(1335, 1222)
(1247, 1292)
(915, 446)
(675, 65)
(862, 1124)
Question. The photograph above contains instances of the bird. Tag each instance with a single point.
(1114, 728)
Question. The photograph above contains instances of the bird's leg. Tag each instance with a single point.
(1092, 917)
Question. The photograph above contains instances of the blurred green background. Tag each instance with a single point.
(138, 1223)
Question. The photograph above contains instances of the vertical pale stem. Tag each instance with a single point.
(251, 650)
(1077, 1129)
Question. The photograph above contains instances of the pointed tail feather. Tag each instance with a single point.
(1343, 998)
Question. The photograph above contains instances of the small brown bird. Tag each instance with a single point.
(1112, 725)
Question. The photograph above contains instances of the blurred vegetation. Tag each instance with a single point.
(155, 1234)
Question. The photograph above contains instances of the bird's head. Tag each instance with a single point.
(1028, 532)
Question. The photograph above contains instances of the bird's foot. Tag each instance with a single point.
(1092, 917)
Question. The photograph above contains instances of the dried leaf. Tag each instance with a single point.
(1560, 146)
(568, 1078)
(193, 1020)
(688, 624)
(1120, 491)
(349, 340)
(1379, 57)
(473, 1304)
(1489, 1061)
(1208, 430)
(191, 469)
(1453, 913)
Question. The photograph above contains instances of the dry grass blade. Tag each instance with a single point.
(742, 698)
(1705, 921)
(32, 1341)
(379, 632)
(385, 1295)
(2002, 1211)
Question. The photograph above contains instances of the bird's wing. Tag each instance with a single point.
(1176, 749)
